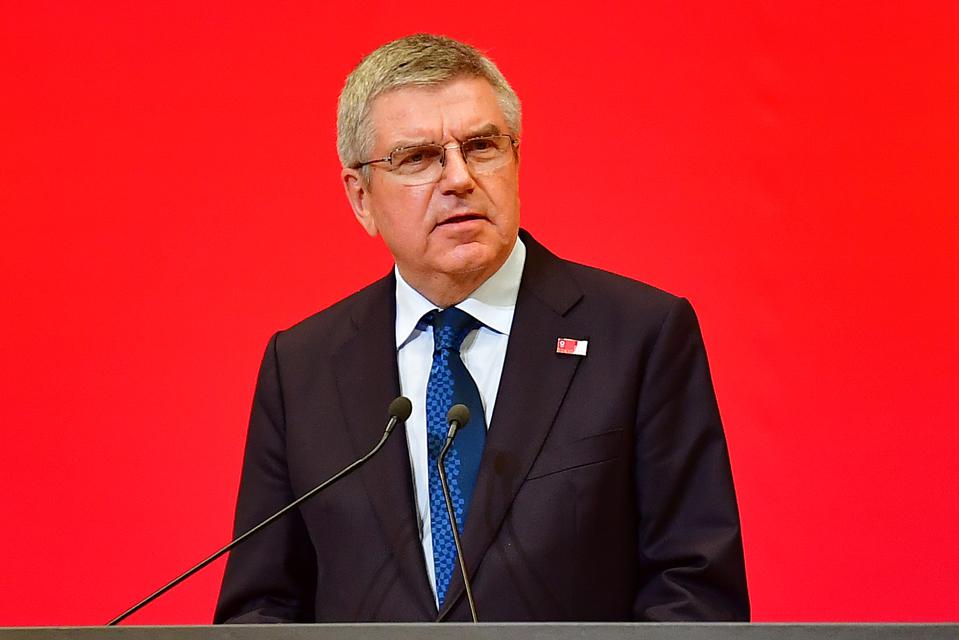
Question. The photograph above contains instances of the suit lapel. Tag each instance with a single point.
(367, 380)
(532, 387)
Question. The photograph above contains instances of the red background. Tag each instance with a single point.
(170, 197)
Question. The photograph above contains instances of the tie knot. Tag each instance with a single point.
(450, 327)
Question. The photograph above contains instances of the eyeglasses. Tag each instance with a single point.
(423, 163)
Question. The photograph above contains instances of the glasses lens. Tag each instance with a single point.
(423, 164)
(487, 153)
(417, 161)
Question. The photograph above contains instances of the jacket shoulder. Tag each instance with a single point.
(595, 290)
(619, 288)
(327, 329)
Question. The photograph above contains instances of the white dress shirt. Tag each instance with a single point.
(483, 352)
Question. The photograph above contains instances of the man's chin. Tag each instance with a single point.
(469, 258)
(472, 247)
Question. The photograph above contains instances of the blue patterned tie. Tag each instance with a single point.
(450, 383)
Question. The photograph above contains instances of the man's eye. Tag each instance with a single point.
(412, 158)
(480, 147)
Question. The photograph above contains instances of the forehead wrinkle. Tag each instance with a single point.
(414, 136)
(400, 127)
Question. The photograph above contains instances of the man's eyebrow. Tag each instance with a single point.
(410, 142)
(489, 129)
(486, 130)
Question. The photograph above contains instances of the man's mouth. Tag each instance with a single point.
(462, 217)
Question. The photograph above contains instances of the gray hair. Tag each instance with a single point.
(417, 60)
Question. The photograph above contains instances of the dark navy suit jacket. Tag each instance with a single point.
(604, 492)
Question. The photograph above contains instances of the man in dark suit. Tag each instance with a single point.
(603, 489)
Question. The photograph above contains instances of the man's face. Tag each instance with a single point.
(465, 224)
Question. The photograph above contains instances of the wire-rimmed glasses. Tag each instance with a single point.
(423, 163)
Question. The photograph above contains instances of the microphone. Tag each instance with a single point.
(456, 417)
(399, 411)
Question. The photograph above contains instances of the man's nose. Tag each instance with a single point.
(456, 176)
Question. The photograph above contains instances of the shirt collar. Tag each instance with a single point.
(492, 303)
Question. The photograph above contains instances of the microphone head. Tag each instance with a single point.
(401, 408)
(459, 414)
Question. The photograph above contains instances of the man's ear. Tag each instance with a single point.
(358, 192)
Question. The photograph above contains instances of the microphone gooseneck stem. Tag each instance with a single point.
(276, 516)
(452, 517)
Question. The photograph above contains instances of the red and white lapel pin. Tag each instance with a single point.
(571, 347)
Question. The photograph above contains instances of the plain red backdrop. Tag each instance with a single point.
(169, 197)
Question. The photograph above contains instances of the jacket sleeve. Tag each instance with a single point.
(271, 577)
(690, 546)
